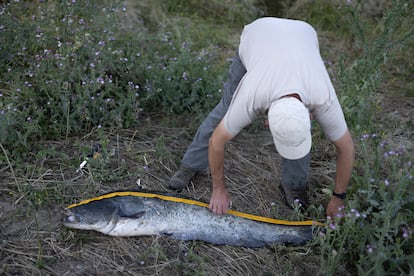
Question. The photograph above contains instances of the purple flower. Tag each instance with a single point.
(406, 233)
(297, 202)
(370, 248)
(100, 80)
(184, 76)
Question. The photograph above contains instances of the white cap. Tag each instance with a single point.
(290, 125)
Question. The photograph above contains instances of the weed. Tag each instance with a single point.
(374, 232)
(359, 81)
(73, 66)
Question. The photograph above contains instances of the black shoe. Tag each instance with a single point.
(181, 178)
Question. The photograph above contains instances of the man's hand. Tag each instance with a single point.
(334, 204)
(220, 201)
(220, 198)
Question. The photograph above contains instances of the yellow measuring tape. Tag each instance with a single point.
(198, 203)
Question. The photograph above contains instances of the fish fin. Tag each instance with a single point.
(134, 216)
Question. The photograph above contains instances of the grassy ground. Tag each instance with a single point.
(137, 77)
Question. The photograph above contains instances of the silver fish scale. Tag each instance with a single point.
(140, 216)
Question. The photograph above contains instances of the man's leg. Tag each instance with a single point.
(295, 179)
(196, 157)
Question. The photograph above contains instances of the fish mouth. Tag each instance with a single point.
(69, 218)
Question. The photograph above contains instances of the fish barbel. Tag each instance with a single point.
(128, 214)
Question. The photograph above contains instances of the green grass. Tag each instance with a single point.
(74, 67)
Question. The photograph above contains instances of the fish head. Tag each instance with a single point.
(99, 216)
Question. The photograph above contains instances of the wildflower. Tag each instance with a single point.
(406, 233)
(101, 43)
(297, 202)
(184, 76)
(386, 182)
(332, 226)
(100, 80)
(370, 248)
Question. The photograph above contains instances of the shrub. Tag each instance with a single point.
(72, 66)
(374, 233)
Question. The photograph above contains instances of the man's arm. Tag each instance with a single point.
(220, 198)
(345, 154)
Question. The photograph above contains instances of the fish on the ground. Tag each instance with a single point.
(130, 215)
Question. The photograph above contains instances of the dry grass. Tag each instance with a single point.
(33, 240)
(32, 197)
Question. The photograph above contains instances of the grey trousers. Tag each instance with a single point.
(294, 172)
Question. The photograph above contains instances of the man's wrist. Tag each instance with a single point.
(339, 195)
